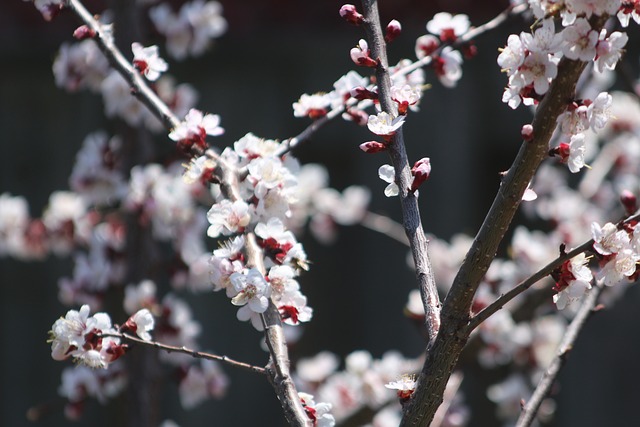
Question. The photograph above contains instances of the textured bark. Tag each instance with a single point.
(443, 355)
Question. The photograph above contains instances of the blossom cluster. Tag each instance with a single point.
(87, 339)
(361, 384)
(274, 197)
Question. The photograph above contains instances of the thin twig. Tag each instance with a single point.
(540, 274)
(139, 87)
(291, 143)
(385, 225)
(542, 390)
(188, 351)
(408, 200)
(524, 285)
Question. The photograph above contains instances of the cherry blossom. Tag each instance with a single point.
(147, 61)
(622, 265)
(580, 41)
(544, 40)
(319, 412)
(360, 55)
(80, 65)
(405, 96)
(574, 280)
(448, 27)
(426, 45)
(420, 171)
(203, 380)
(251, 289)
(228, 217)
(141, 323)
(608, 240)
(77, 335)
(192, 30)
(628, 10)
(448, 66)
(49, 8)
(314, 106)
(572, 153)
(405, 386)
(383, 124)
(195, 127)
(392, 31)
(512, 56)
(609, 50)
(388, 174)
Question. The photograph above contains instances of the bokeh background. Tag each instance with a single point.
(274, 51)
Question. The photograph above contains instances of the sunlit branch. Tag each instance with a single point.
(305, 135)
(530, 281)
(184, 350)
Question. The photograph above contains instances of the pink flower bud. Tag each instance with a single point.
(349, 13)
(420, 171)
(360, 55)
(527, 132)
(393, 31)
(371, 147)
(629, 202)
(84, 32)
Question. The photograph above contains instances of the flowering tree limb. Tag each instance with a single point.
(530, 409)
(443, 354)
(397, 151)
(292, 142)
(139, 87)
(184, 350)
(530, 281)
(281, 379)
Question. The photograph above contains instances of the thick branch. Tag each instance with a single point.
(443, 355)
(542, 390)
(190, 352)
(409, 202)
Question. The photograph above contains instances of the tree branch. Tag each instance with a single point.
(385, 225)
(524, 285)
(139, 87)
(188, 351)
(443, 355)
(540, 274)
(281, 379)
(291, 143)
(542, 390)
(409, 202)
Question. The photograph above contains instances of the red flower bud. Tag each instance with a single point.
(349, 13)
(393, 31)
(527, 132)
(629, 202)
(371, 147)
(360, 93)
(84, 32)
(420, 171)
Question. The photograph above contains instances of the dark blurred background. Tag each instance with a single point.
(272, 53)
